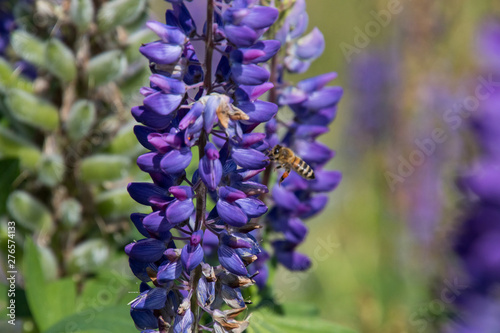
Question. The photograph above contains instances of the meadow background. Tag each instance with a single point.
(381, 250)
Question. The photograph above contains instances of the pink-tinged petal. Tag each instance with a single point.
(285, 199)
(168, 85)
(163, 104)
(146, 250)
(191, 256)
(196, 237)
(169, 271)
(252, 207)
(249, 158)
(246, 56)
(230, 194)
(311, 46)
(167, 33)
(231, 214)
(316, 83)
(176, 160)
(251, 93)
(161, 53)
(181, 192)
(158, 142)
(211, 152)
(231, 261)
(180, 211)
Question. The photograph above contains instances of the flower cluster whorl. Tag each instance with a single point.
(478, 239)
(314, 107)
(184, 107)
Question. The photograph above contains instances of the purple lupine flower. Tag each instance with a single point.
(204, 98)
(477, 243)
(314, 106)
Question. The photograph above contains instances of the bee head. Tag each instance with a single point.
(276, 150)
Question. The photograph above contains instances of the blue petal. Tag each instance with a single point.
(146, 250)
(324, 98)
(249, 74)
(161, 53)
(157, 224)
(241, 36)
(311, 46)
(140, 269)
(169, 271)
(252, 207)
(152, 299)
(191, 256)
(183, 324)
(147, 193)
(210, 172)
(249, 158)
(168, 85)
(316, 83)
(230, 261)
(163, 104)
(231, 214)
(285, 199)
(167, 33)
(144, 320)
(180, 211)
(258, 111)
(137, 219)
(176, 160)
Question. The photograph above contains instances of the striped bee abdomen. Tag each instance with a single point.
(302, 168)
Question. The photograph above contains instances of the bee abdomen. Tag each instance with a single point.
(303, 169)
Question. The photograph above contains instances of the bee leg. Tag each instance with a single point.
(278, 167)
(285, 174)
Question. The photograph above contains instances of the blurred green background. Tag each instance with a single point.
(380, 252)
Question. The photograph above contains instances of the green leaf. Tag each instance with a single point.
(32, 110)
(13, 145)
(82, 13)
(28, 47)
(51, 170)
(29, 212)
(71, 212)
(135, 40)
(265, 321)
(118, 12)
(106, 67)
(99, 168)
(88, 255)
(80, 120)
(9, 79)
(117, 203)
(10, 172)
(104, 320)
(49, 302)
(60, 60)
(125, 142)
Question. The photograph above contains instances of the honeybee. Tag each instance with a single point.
(286, 158)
